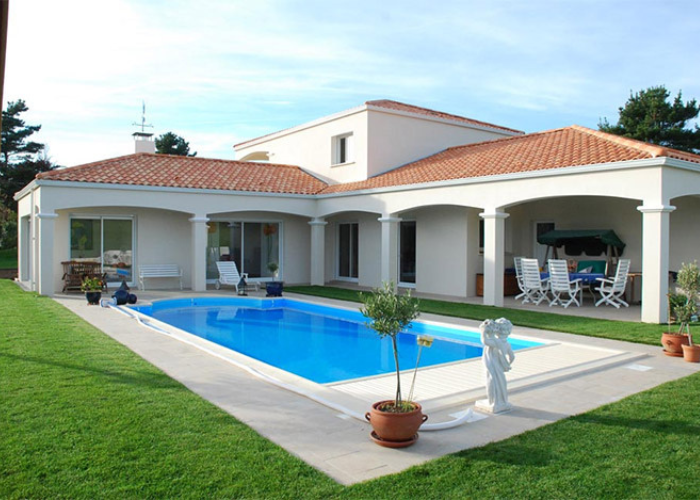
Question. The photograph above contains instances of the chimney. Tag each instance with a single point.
(144, 143)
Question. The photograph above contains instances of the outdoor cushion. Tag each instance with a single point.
(593, 266)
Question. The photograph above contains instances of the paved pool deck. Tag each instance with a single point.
(599, 372)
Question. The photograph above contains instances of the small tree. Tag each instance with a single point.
(172, 144)
(390, 313)
(688, 281)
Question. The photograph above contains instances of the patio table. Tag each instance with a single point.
(586, 278)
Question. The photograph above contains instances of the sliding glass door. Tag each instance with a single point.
(348, 250)
(105, 240)
(253, 246)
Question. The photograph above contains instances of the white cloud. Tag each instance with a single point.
(225, 71)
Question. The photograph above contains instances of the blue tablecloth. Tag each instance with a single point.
(586, 278)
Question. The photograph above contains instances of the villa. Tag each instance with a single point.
(383, 191)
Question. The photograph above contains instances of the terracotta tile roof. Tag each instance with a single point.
(409, 108)
(144, 169)
(565, 147)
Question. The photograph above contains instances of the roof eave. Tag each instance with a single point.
(571, 170)
(167, 189)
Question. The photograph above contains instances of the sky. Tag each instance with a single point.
(219, 72)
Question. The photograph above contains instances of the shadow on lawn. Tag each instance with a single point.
(156, 380)
(676, 426)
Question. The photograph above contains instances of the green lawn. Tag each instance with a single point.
(8, 258)
(618, 330)
(81, 416)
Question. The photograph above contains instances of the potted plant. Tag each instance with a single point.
(274, 287)
(395, 421)
(92, 286)
(683, 304)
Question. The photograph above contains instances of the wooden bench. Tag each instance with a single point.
(159, 271)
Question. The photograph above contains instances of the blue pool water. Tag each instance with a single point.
(320, 343)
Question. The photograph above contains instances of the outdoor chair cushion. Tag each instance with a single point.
(595, 266)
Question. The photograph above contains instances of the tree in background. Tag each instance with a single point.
(15, 147)
(649, 116)
(21, 158)
(172, 144)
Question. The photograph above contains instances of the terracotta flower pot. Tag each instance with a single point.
(691, 353)
(672, 343)
(395, 430)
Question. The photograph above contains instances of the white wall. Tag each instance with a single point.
(685, 232)
(161, 237)
(296, 242)
(382, 140)
(441, 250)
(369, 229)
(395, 140)
(311, 148)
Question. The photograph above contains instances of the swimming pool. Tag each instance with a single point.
(320, 343)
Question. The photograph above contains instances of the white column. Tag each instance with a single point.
(656, 223)
(494, 243)
(44, 269)
(389, 255)
(199, 253)
(318, 251)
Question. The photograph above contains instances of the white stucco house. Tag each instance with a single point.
(384, 191)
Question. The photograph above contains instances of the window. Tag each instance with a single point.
(107, 240)
(342, 149)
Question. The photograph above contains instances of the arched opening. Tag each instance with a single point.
(256, 156)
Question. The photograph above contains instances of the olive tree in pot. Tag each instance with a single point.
(395, 422)
(688, 282)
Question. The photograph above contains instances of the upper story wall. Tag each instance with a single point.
(395, 139)
(315, 147)
(363, 142)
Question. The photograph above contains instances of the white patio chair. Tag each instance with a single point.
(535, 288)
(517, 263)
(229, 275)
(612, 290)
(563, 290)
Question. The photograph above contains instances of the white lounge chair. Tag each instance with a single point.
(612, 290)
(535, 288)
(518, 264)
(563, 290)
(229, 275)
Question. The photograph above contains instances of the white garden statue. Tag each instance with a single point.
(498, 356)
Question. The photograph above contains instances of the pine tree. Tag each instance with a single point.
(15, 147)
(649, 116)
(172, 144)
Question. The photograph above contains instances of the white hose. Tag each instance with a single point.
(272, 380)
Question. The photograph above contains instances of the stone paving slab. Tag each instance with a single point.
(303, 427)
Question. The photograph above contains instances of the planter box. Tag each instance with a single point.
(510, 285)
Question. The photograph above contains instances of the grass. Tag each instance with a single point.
(8, 258)
(81, 416)
(642, 333)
